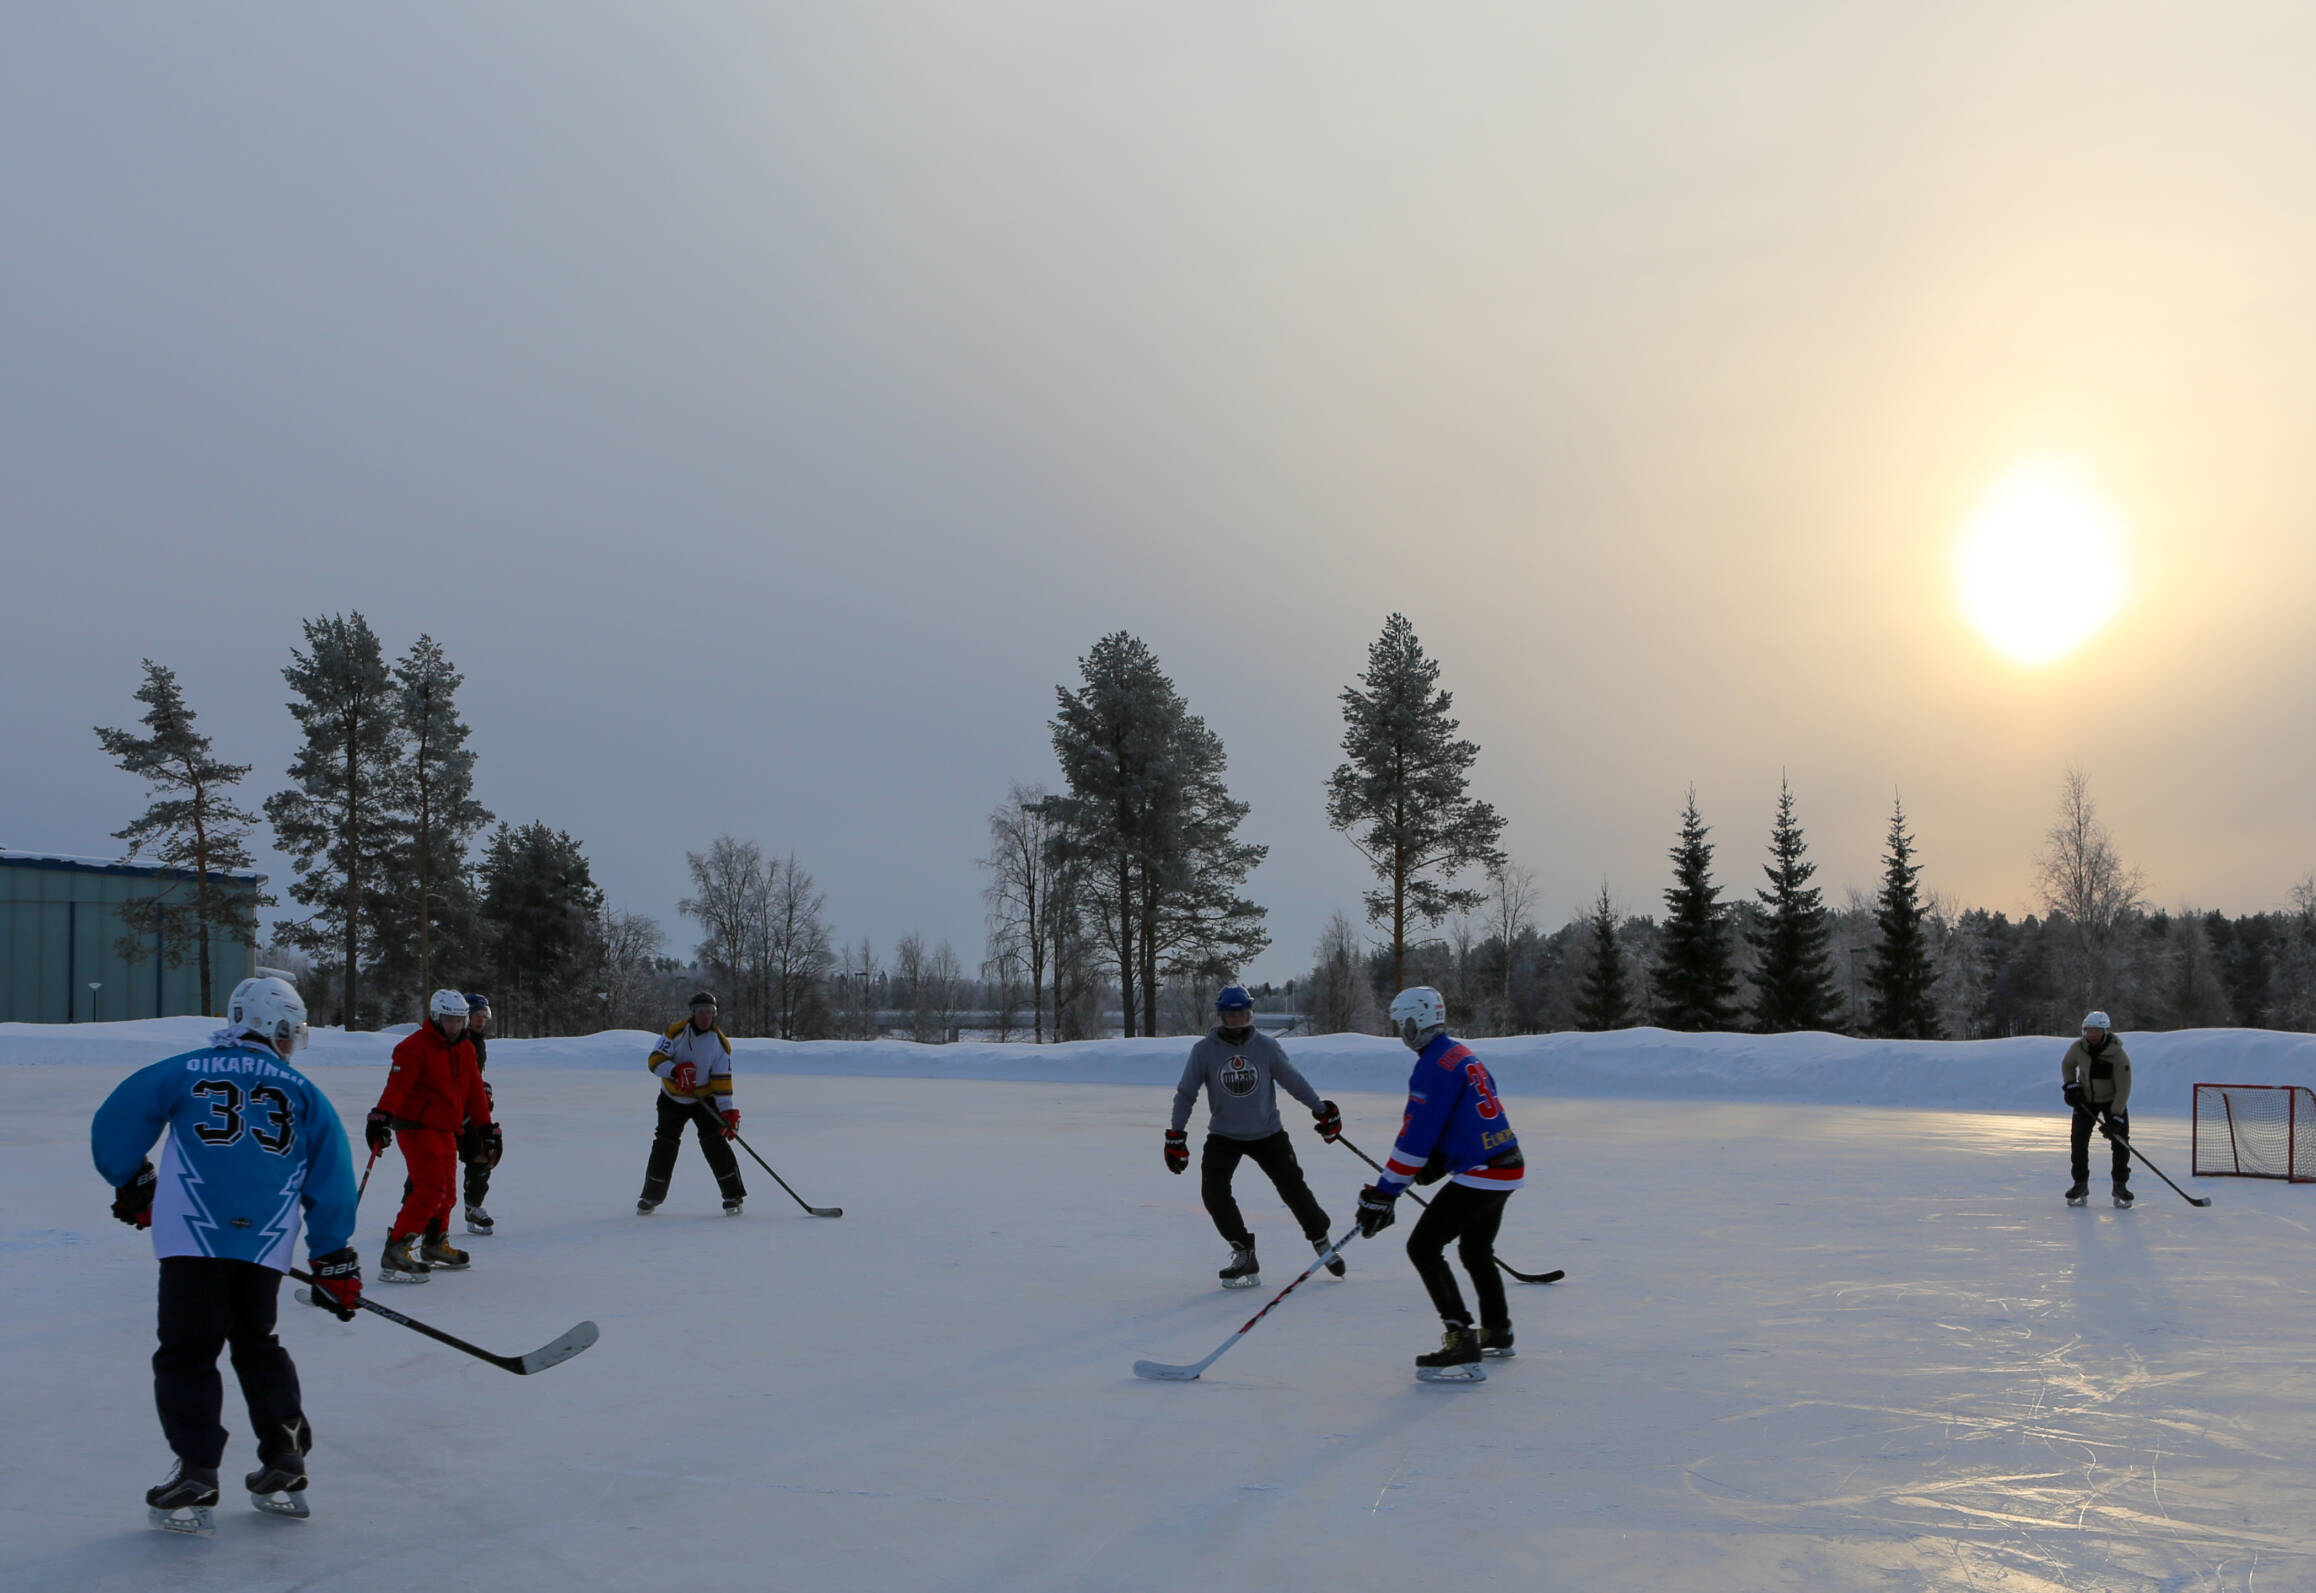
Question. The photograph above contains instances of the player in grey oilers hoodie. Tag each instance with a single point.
(1242, 1070)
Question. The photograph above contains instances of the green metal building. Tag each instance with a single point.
(60, 954)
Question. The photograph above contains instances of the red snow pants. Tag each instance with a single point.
(432, 1154)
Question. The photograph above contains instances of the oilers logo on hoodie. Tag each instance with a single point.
(1239, 1076)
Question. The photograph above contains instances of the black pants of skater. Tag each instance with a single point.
(668, 1138)
(212, 1305)
(1275, 1156)
(2079, 1145)
(1469, 1218)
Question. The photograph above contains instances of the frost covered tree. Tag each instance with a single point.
(730, 901)
(1402, 794)
(192, 824)
(1022, 864)
(1149, 827)
(1694, 980)
(1792, 981)
(1902, 976)
(797, 953)
(1511, 916)
(1337, 998)
(337, 823)
(1605, 999)
(2084, 882)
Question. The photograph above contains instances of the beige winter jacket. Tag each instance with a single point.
(2106, 1079)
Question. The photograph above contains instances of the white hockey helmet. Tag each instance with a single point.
(447, 1004)
(1416, 1012)
(269, 1007)
(2096, 1020)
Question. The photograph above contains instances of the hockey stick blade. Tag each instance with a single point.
(1554, 1276)
(809, 1210)
(546, 1355)
(1159, 1371)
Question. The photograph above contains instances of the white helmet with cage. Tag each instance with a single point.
(269, 1007)
(1417, 1013)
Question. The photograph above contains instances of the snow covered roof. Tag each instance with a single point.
(10, 858)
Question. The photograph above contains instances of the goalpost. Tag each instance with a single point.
(2255, 1131)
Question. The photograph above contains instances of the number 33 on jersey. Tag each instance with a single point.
(250, 1147)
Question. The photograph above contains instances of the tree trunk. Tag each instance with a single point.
(1127, 966)
(352, 983)
(201, 907)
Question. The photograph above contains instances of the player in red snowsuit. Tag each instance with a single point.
(433, 1090)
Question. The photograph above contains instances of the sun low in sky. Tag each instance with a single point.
(2040, 566)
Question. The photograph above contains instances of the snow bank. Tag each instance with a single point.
(1825, 1069)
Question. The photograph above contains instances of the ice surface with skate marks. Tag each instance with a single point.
(1822, 1347)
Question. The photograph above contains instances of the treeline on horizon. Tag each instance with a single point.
(1118, 902)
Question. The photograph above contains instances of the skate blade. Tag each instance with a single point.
(2085, 1201)
(292, 1505)
(1450, 1374)
(1499, 1355)
(480, 1233)
(391, 1276)
(1249, 1282)
(2125, 1205)
(187, 1518)
(449, 1266)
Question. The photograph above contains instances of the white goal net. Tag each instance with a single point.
(2255, 1131)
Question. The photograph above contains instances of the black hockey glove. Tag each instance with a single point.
(133, 1201)
(1377, 1210)
(337, 1283)
(2075, 1097)
(1329, 1126)
(1177, 1150)
(481, 1145)
(378, 1131)
(1434, 1169)
(2107, 1125)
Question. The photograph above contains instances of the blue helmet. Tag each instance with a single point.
(1234, 999)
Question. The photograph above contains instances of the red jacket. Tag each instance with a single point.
(435, 1083)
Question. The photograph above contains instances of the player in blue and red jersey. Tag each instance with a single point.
(1455, 1128)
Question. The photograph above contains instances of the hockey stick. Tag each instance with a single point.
(817, 1211)
(365, 1183)
(546, 1355)
(1164, 1373)
(2133, 1150)
(1554, 1276)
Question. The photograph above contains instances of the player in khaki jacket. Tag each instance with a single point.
(2095, 1078)
(693, 1063)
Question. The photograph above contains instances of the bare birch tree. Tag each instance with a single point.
(2083, 879)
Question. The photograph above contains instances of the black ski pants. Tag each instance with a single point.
(2079, 1145)
(1275, 1155)
(1469, 1218)
(668, 1138)
(208, 1305)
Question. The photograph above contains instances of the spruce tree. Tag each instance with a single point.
(337, 822)
(1694, 980)
(1792, 975)
(1901, 975)
(439, 817)
(193, 824)
(1604, 1001)
(544, 916)
(1401, 795)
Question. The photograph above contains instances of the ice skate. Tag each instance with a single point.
(1457, 1360)
(2123, 1194)
(2079, 1192)
(440, 1252)
(278, 1485)
(1243, 1272)
(187, 1502)
(645, 1205)
(732, 1206)
(398, 1265)
(1496, 1343)
(478, 1221)
(1334, 1263)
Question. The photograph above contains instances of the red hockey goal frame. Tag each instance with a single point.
(2299, 1119)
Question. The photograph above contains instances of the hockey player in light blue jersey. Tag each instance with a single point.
(249, 1146)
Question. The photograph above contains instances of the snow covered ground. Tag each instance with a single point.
(1801, 1344)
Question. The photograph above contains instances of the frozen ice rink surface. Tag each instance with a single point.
(1799, 1347)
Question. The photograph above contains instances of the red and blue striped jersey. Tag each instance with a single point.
(1453, 1110)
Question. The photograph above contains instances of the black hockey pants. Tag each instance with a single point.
(1470, 1218)
(668, 1138)
(1275, 1156)
(2079, 1145)
(206, 1306)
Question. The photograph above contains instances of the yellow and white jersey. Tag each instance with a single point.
(710, 1055)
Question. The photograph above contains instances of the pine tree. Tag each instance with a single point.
(1605, 999)
(1792, 978)
(1401, 795)
(438, 818)
(544, 915)
(1149, 829)
(1902, 977)
(337, 822)
(1695, 982)
(192, 824)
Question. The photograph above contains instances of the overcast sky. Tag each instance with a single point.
(767, 406)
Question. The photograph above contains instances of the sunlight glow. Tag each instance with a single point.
(2040, 566)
